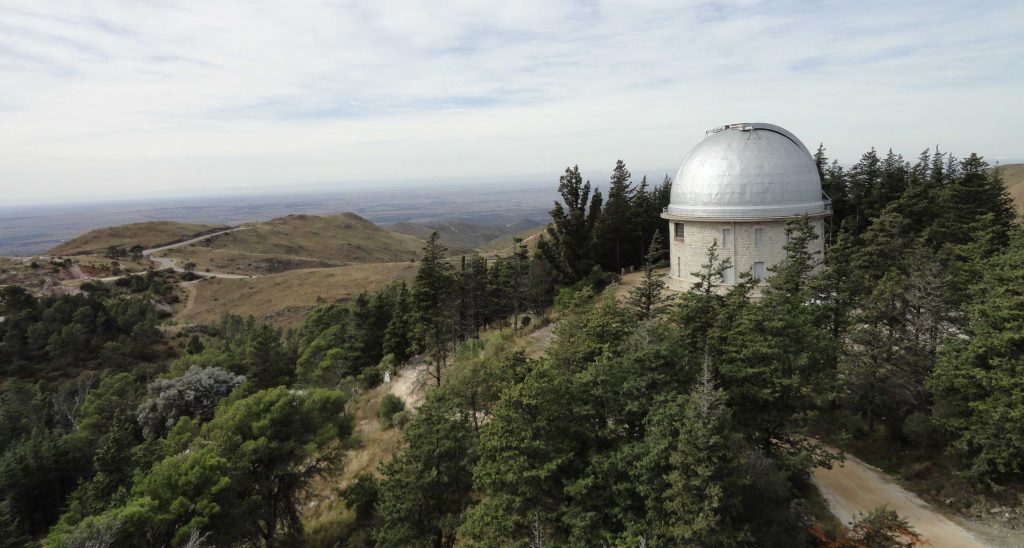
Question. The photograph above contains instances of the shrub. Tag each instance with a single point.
(371, 377)
(401, 419)
(390, 406)
(194, 394)
(362, 496)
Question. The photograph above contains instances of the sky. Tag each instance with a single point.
(133, 99)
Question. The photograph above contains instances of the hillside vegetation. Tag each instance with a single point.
(299, 241)
(285, 299)
(1013, 177)
(637, 419)
(147, 234)
(464, 236)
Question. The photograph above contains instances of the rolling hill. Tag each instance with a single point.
(296, 242)
(285, 299)
(462, 237)
(1013, 176)
(147, 234)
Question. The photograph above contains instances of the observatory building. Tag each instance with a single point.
(737, 187)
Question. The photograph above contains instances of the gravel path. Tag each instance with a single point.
(853, 488)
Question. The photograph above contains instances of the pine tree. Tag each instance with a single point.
(864, 177)
(427, 487)
(977, 383)
(473, 297)
(643, 218)
(646, 299)
(976, 202)
(568, 242)
(435, 306)
(267, 362)
(399, 335)
(706, 484)
(615, 231)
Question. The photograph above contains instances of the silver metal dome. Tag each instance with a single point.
(747, 171)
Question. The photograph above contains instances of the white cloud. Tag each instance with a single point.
(126, 98)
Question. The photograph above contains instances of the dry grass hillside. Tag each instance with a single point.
(285, 299)
(1013, 176)
(147, 234)
(462, 237)
(299, 241)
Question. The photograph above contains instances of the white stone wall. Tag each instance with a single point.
(688, 255)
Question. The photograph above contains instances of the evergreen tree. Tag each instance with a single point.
(427, 487)
(266, 361)
(473, 281)
(705, 494)
(435, 306)
(864, 177)
(568, 242)
(977, 202)
(615, 231)
(773, 356)
(646, 299)
(977, 384)
(399, 335)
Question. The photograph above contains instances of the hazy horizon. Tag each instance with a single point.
(126, 100)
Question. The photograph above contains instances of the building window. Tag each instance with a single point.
(679, 231)
(727, 276)
(679, 267)
(758, 271)
(758, 237)
(726, 238)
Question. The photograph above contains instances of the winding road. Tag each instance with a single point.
(149, 252)
(167, 262)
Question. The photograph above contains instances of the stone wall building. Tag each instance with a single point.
(737, 187)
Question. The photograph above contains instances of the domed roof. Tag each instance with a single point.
(747, 171)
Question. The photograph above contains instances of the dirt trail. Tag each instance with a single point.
(853, 488)
(411, 384)
(190, 300)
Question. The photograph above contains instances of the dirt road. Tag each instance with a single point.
(149, 252)
(167, 262)
(853, 488)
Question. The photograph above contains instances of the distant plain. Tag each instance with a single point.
(30, 230)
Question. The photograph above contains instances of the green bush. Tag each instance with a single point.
(400, 419)
(371, 377)
(390, 406)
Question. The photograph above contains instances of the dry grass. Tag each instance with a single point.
(327, 519)
(299, 241)
(147, 234)
(284, 299)
(1013, 176)
(98, 261)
